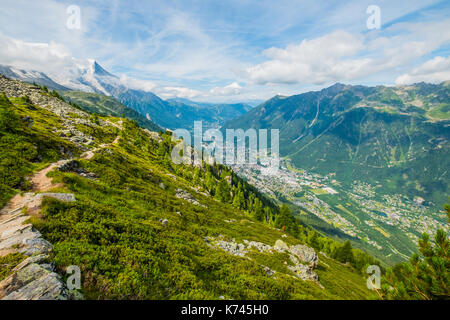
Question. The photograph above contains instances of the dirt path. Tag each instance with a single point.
(41, 183)
(90, 154)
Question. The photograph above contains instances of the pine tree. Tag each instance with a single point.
(345, 253)
(425, 276)
(314, 240)
(223, 191)
(285, 219)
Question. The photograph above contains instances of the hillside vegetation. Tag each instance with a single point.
(144, 228)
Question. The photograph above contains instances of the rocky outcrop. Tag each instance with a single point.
(181, 194)
(70, 116)
(305, 254)
(75, 167)
(304, 259)
(33, 278)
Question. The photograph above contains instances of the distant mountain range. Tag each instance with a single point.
(396, 138)
(90, 77)
(30, 77)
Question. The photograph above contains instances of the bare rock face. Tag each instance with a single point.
(33, 282)
(33, 278)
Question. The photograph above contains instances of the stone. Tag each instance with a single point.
(181, 194)
(65, 197)
(281, 246)
(36, 246)
(304, 258)
(268, 271)
(305, 254)
(30, 260)
(34, 282)
(304, 272)
(28, 121)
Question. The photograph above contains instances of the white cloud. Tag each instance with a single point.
(177, 92)
(229, 90)
(37, 56)
(435, 70)
(316, 60)
(145, 85)
(342, 56)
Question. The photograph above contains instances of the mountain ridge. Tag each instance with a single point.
(173, 114)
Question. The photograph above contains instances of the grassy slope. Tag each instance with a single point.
(22, 146)
(113, 231)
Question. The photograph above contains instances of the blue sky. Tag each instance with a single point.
(233, 50)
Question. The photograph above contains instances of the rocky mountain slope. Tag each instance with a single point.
(138, 226)
(107, 106)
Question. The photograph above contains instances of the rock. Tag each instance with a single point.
(33, 282)
(268, 271)
(38, 159)
(281, 246)
(19, 238)
(71, 166)
(36, 246)
(261, 247)
(28, 121)
(305, 254)
(304, 272)
(232, 247)
(33, 259)
(304, 258)
(181, 194)
(66, 197)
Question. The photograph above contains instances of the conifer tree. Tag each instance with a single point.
(425, 276)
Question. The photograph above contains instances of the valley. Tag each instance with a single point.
(387, 226)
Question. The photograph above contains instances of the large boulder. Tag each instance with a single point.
(305, 254)
(304, 272)
(281, 246)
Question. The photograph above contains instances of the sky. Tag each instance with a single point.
(237, 50)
